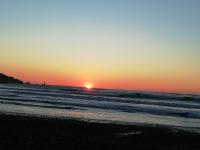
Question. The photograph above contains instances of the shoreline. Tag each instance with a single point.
(34, 132)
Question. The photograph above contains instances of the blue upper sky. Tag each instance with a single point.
(171, 15)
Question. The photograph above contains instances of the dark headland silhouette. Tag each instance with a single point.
(4, 79)
(7, 79)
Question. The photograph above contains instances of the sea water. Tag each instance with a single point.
(182, 110)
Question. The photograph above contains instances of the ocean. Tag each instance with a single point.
(131, 107)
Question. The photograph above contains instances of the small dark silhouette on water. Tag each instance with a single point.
(6, 79)
(44, 84)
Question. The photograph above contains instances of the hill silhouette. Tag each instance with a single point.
(6, 79)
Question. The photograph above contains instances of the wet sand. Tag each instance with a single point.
(35, 133)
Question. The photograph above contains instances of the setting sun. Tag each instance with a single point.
(88, 85)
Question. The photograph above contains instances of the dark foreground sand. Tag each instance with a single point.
(33, 133)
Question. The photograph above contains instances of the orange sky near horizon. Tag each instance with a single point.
(53, 78)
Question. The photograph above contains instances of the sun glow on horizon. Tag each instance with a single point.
(88, 85)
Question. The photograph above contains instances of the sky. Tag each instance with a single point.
(150, 45)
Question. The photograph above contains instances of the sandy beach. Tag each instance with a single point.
(33, 133)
